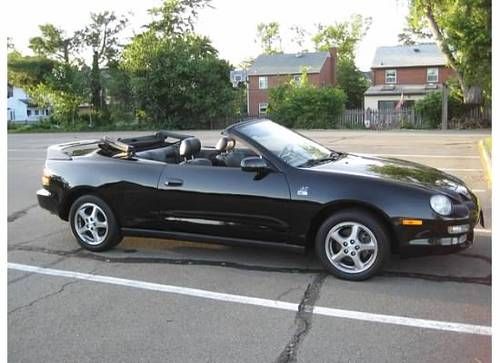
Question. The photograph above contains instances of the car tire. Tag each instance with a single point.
(353, 244)
(93, 224)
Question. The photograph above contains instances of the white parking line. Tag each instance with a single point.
(482, 230)
(26, 159)
(248, 300)
(452, 169)
(425, 156)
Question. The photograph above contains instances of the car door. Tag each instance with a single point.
(224, 201)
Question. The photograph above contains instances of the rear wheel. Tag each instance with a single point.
(93, 224)
(353, 244)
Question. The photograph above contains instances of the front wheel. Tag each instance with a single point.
(93, 224)
(352, 245)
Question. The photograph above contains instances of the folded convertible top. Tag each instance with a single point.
(120, 147)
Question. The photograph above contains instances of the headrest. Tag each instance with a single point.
(231, 143)
(221, 144)
(225, 144)
(189, 147)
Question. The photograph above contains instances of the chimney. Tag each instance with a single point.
(333, 54)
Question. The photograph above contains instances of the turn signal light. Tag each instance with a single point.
(46, 177)
(411, 222)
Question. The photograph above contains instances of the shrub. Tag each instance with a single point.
(306, 106)
(430, 107)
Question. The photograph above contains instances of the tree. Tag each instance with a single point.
(61, 86)
(53, 43)
(116, 81)
(413, 36)
(462, 29)
(178, 81)
(246, 63)
(268, 35)
(345, 36)
(176, 17)
(101, 36)
(28, 71)
(64, 90)
(302, 105)
(353, 82)
(10, 44)
(299, 37)
(430, 108)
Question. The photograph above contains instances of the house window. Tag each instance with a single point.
(36, 112)
(263, 108)
(296, 78)
(432, 75)
(237, 78)
(10, 91)
(263, 82)
(387, 105)
(28, 113)
(390, 76)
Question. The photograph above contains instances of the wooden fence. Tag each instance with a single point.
(477, 117)
(380, 119)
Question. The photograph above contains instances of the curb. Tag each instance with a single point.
(486, 161)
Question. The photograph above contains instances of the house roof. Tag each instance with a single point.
(268, 64)
(426, 54)
(397, 89)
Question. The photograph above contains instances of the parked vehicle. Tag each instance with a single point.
(261, 184)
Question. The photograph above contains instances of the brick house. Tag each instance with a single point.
(405, 71)
(271, 70)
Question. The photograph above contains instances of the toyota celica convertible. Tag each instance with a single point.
(260, 185)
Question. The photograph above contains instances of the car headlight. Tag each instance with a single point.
(441, 205)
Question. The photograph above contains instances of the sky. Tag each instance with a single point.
(230, 24)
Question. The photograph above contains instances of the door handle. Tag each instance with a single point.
(173, 182)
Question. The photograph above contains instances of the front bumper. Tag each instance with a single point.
(48, 200)
(433, 237)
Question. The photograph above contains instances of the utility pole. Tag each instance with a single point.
(444, 108)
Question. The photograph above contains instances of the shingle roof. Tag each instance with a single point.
(267, 64)
(427, 54)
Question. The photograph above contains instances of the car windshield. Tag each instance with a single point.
(291, 147)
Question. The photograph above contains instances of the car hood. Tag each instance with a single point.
(392, 169)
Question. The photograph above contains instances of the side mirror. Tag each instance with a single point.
(254, 163)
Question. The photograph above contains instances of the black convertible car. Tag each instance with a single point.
(264, 185)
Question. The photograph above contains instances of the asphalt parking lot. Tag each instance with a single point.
(154, 300)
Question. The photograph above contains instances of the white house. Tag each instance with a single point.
(20, 109)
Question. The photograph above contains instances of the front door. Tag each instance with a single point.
(224, 201)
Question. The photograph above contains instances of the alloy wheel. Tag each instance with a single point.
(351, 247)
(91, 224)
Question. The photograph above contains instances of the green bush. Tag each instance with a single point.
(306, 106)
(430, 107)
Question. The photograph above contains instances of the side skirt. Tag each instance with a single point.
(184, 236)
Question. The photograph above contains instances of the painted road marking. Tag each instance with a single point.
(452, 169)
(27, 159)
(482, 230)
(424, 156)
(248, 300)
